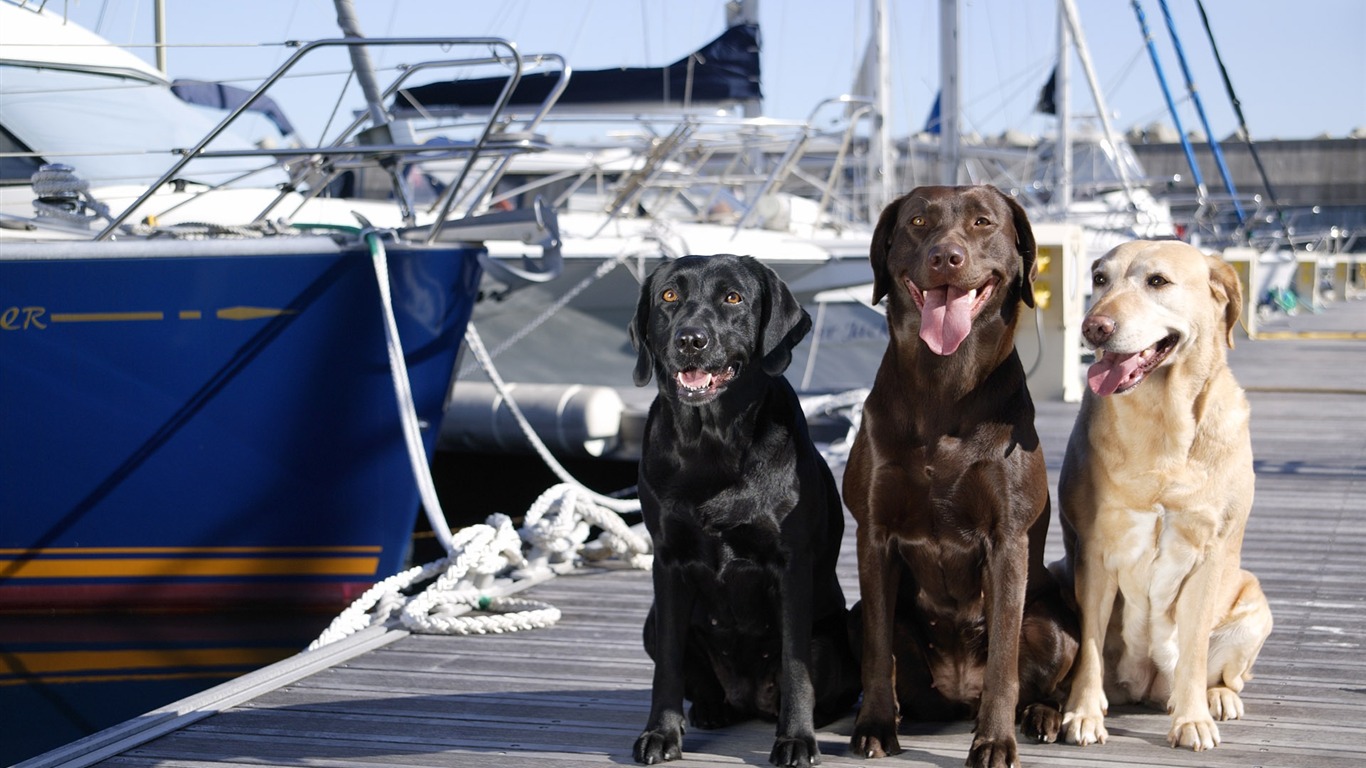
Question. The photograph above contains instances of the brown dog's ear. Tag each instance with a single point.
(637, 329)
(1228, 289)
(881, 245)
(1024, 245)
(782, 321)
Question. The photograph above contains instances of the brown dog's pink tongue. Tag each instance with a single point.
(1110, 371)
(946, 318)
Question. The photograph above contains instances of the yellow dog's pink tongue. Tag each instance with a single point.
(946, 318)
(1111, 370)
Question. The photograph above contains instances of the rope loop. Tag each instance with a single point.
(559, 522)
(59, 193)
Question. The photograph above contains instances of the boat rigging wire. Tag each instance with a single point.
(1200, 110)
(1242, 122)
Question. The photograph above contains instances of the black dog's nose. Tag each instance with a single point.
(691, 339)
(947, 256)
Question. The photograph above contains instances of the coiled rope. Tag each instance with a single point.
(488, 557)
(479, 553)
(60, 194)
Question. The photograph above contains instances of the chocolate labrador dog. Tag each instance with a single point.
(946, 480)
(748, 616)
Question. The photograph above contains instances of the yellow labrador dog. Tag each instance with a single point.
(1156, 488)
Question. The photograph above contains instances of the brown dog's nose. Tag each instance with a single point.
(947, 257)
(1098, 329)
(691, 339)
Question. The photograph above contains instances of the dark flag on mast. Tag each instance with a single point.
(933, 122)
(1047, 103)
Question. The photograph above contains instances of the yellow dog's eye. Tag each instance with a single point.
(1157, 281)
(1098, 279)
(733, 298)
(669, 295)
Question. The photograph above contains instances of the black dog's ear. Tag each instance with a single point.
(1024, 245)
(638, 331)
(783, 322)
(881, 245)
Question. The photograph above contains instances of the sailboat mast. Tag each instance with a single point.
(365, 75)
(745, 12)
(1069, 10)
(159, 22)
(885, 176)
(1062, 100)
(950, 63)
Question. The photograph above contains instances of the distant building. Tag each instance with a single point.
(1319, 183)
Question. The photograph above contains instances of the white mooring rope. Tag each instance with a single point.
(485, 558)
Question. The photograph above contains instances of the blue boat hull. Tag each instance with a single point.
(201, 424)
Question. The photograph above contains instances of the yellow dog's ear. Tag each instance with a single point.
(1227, 289)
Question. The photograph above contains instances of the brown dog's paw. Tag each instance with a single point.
(875, 740)
(659, 745)
(993, 753)
(795, 751)
(1041, 722)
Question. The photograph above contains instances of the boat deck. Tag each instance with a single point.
(577, 693)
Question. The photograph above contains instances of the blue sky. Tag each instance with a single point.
(1299, 67)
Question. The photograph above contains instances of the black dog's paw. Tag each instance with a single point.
(1041, 722)
(796, 751)
(875, 739)
(710, 715)
(993, 753)
(659, 745)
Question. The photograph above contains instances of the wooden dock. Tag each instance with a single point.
(577, 694)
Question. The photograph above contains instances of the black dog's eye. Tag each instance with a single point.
(918, 221)
(733, 298)
(669, 295)
(1157, 281)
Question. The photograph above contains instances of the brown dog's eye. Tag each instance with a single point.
(982, 221)
(669, 295)
(733, 298)
(918, 221)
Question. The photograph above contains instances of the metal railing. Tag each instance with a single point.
(376, 145)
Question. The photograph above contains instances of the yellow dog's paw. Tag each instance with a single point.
(1225, 704)
(1084, 729)
(1198, 733)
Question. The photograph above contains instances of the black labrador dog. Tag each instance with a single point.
(748, 617)
(946, 480)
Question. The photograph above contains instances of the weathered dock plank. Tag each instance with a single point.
(577, 694)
